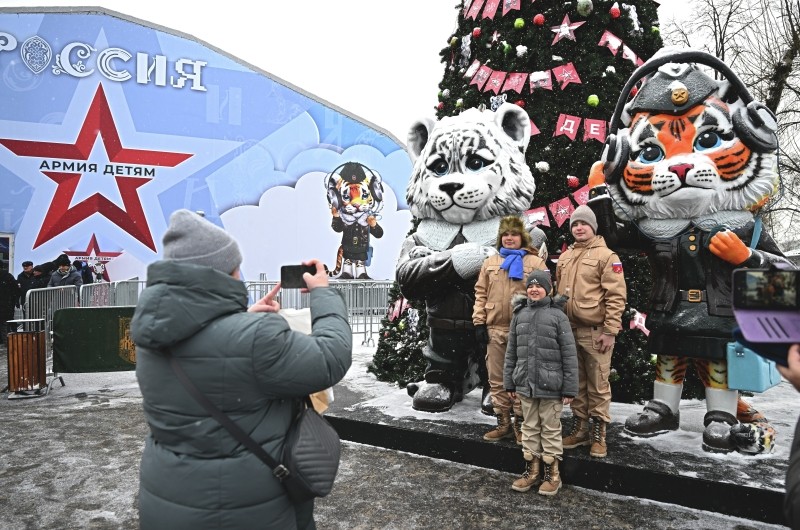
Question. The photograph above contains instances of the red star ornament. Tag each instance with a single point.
(566, 29)
(60, 217)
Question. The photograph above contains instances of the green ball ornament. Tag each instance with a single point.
(401, 325)
(655, 30)
(454, 42)
(506, 48)
(459, 103)
(585, 7)
(519, 23)
(593, 100)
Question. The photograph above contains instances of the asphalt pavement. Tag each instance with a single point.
(70, 460)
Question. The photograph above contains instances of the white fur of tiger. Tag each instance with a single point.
(470, 167)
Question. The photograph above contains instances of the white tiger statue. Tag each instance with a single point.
(469, 172)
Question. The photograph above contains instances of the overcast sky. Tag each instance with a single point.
(376, 59)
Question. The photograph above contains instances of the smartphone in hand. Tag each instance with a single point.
(292, 276)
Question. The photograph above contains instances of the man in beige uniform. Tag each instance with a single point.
(591, 275)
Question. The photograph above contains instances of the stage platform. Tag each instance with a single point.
(671, 468)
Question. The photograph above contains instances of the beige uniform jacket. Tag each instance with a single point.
(591, 275)
(494, 289)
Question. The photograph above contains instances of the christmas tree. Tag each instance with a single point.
(565, 63)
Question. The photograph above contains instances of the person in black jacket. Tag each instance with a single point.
(791, 506)
(9, 298)
(25, 280)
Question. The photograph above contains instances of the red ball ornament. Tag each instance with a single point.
(614, 11)
(539, 20)
(476, 33)
(520, 103)
(573, 182)
(634, 91)
(440, 106)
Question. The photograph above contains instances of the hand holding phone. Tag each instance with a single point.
(292, 276)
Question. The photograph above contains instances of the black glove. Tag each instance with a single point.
(482, 334)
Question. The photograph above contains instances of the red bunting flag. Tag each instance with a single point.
(638, 322)
(481, 76)
(467, 4)
(567, 125)
(508, 5)
(473, 68)
(561, 210)
(566, 74)
(594, 130)
(474, 9)
(581, 196)
(610, 41)
(515, 81)
(541, 80)
(495, 82)
(537, 216)
(490, 8)
(629, 54)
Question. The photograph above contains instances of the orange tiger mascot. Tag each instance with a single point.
(355, 196)
(687, 161)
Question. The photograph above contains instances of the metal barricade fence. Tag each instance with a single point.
(97, 295)
(367, 302)
(124, 293)
(127, 292)
(42, 303)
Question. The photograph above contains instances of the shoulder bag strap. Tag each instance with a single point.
(277, 469)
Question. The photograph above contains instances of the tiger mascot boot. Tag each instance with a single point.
(687, 162)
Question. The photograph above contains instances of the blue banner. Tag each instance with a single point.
(108, 126)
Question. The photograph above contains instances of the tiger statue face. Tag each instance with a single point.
(356, 198)
(691, 164)
(470, 167)
(354, 189)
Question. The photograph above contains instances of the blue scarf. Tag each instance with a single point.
(513, 262)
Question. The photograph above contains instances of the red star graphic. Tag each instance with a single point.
(60, 217)
(93, 251)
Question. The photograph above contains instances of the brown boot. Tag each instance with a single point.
(551, 481)
(518, 428)
(530, 477)
(578, 434)
(598, 449)
(503, 429)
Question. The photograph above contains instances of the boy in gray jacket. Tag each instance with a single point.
(541, 369)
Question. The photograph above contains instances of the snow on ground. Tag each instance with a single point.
(780, 404)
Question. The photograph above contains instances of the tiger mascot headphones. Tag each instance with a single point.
(754, 123)
(352, 173)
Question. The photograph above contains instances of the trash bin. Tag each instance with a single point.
(27, 355)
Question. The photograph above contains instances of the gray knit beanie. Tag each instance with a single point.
(585, 214)
(192, 239)
(542, 278)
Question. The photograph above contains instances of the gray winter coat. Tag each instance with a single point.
(541, 359)
(194, 474)
(72, 277)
